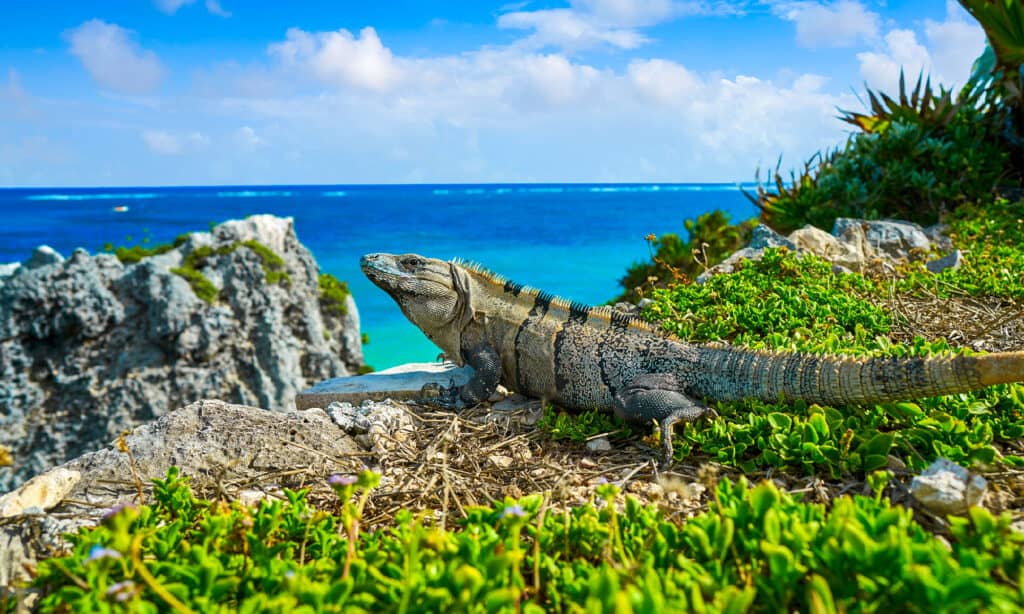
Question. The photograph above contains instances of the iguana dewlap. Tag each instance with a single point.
(582, 357)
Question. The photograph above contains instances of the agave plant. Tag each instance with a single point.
(923, 106)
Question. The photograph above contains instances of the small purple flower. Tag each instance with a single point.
(122, 591)
(513, 510)
(98, 552)
(338, 479)
(117, 509)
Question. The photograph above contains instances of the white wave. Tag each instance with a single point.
(252, 194)
(137, 196)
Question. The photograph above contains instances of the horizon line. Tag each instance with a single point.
(379, 185)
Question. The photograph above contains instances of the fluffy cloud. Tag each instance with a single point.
(168, 144)
(591, 23)
(473, 114)
(247, 138)
(340, 58)
(952, 46)
(662, 81)
(569, 29)
(171, 6)
(114, 59)
(834, 24)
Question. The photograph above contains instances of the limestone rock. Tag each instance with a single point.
(7, 270)
(401, 383)
(947, 488)
(42, 256)
(90, 347)
(852, 245)
(887, 239)
(384, 424)
(221, 447)
(764, 237)
(818, 242)
(951, 261)
(41, 492)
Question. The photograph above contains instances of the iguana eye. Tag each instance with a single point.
(412, 262)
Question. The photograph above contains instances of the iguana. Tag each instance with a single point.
(582, 357)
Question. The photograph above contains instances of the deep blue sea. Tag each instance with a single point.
(573, 240)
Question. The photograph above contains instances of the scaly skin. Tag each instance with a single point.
(584, 357)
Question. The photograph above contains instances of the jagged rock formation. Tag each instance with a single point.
(90, 347)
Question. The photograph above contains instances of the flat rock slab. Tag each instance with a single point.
(401, 383)
(217, 445)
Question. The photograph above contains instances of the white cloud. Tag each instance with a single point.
(832, 24)
(114, 59)
(663, 81)
(247, 138)
(955, 43)
(168, 144)
(214, 7)
(340, 58)
(952, 46)
(655, 119)
(591, 23)
(171, 6)
(569, 29)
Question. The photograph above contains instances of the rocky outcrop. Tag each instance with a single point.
(853, 245)
(91, 347)
(232, 451)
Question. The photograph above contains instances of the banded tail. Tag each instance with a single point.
(732, 374)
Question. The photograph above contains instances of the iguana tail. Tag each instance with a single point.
(736, 374)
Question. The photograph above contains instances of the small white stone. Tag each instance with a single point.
(251, 497)
(599, 444)
(501, 462)
(947, 488)
(43, 491)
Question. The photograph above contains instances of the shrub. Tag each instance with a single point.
(333, 295)
(710, 238)
(201, 286)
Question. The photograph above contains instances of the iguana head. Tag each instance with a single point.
(432, 293)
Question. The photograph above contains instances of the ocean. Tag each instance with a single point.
(573, 240)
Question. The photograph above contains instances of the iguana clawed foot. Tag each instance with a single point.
(446, 397)
(659, 397)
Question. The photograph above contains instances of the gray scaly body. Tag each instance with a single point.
(584, 357)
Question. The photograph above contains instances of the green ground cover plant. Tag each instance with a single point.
(756, 549)
(789, 302)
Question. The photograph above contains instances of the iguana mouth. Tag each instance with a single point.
(375, 267)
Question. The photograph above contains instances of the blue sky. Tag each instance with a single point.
(178, 92)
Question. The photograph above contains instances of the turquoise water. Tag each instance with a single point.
(572, 240)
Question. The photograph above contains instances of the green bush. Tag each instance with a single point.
(201, 286)
(333, 294)
(710, 238)
(904, 172)
(757, 549)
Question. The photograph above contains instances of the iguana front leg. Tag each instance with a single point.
(486, 365)
(659, 397)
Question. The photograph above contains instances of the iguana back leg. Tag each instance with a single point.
(659, 397)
